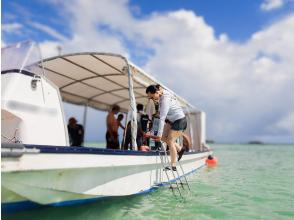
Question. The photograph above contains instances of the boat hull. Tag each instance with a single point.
(57, 177)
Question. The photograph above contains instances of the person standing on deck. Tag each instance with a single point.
(171, 112)
(119, 119)
(112, 141)
(141, 124)
(75, 132)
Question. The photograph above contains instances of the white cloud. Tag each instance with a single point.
(239, 85)
(48, 30)
(245, 88)
(269, 5)
(286, 123)
(11, 27)
(3, 44)
(98, 25)
(49, 48)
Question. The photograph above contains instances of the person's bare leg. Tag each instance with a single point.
(178, 147)
(172, 136)
(186, 141)
(166, 130)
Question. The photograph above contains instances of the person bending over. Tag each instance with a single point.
(171, 111)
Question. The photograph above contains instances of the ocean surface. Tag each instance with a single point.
(250, 182)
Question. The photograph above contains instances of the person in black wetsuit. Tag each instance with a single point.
(142, 120)
(75, 132)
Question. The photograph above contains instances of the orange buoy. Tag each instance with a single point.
(211, 161)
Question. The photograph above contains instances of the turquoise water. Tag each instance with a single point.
(250, 182)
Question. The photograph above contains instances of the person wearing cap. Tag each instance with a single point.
(76, 133)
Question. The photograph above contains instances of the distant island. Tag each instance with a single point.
(210, 141)
(255, 142)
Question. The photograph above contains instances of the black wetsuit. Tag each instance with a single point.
(76, 135)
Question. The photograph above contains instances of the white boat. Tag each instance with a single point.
(38, 165)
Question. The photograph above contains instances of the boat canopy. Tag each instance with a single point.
(99, 80)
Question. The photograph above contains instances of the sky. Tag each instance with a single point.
(232, 59)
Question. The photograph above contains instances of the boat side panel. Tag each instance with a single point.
(47, 161)
(130, 177)
(23, 205)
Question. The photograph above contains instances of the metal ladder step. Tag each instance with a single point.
(164, 165)
(176, 182)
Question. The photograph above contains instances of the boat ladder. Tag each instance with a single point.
(174, 178)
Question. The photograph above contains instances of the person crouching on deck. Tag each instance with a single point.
(112, 141)
(171, 111)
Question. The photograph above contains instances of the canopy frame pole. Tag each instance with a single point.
(122, 147)
(85, 118)
(191, 131)
(133, 108)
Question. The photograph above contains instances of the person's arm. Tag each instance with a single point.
(120, 125)
(148, 135)
(164, 108)
(150, 109)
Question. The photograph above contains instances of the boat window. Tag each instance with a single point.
(21, 57)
